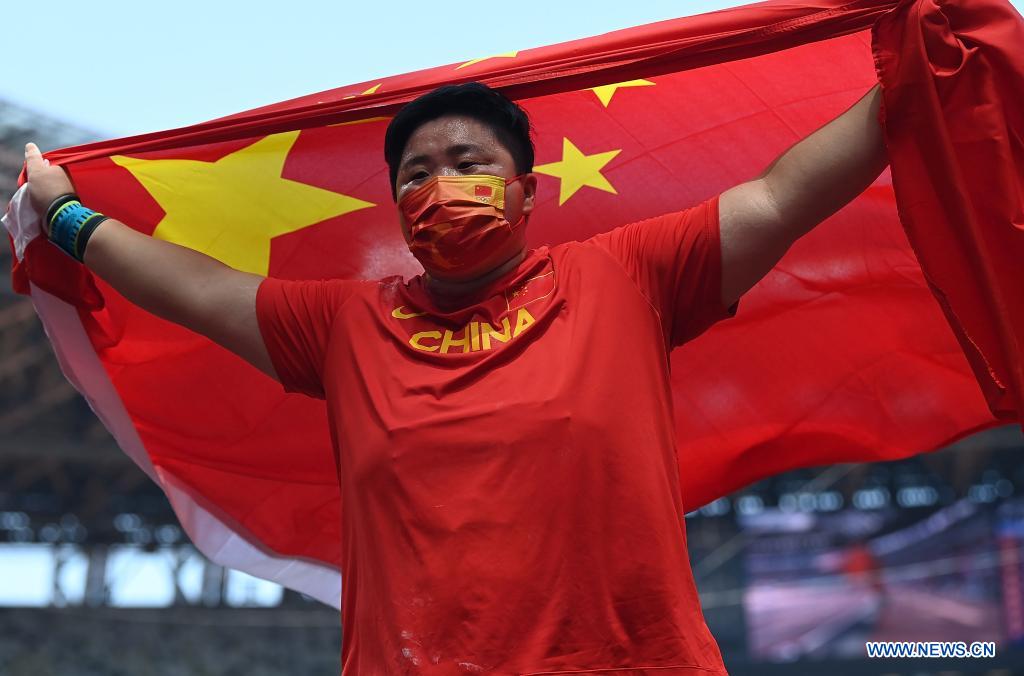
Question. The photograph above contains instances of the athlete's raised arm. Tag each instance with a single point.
(808, 183)
(173, 282)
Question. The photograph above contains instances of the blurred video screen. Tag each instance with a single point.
(901, 565)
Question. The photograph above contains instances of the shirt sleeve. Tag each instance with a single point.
(676, 262)
(296, 319)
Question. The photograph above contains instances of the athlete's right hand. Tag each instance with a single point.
(45, 182)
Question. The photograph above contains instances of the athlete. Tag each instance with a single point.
(502, 422)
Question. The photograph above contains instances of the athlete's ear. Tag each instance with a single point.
(529, 182)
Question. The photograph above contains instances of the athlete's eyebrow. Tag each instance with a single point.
(452, 151)
(422, 158)
(464, 148)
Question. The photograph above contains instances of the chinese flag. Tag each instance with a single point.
(893, 328)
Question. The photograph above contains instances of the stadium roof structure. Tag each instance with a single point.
(40, 413)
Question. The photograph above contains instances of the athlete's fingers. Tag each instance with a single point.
(33, 159)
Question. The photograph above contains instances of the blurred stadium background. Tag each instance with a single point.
(795, 573)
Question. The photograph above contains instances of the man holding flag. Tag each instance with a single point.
(468, 403)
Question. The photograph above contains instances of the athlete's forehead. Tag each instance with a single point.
(451, 136)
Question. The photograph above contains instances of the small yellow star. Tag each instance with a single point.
(576, 170)
(232, 208)
(606, 92)
(504, 55)
(371, 90)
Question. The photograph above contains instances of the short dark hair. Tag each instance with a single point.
(474, 99)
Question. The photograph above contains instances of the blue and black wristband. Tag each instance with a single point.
(71, 225)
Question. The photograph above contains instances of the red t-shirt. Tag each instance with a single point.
(508, 471)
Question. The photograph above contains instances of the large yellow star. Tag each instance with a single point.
(576, 170)
(231, 209)
(504, 55)
(606, 92)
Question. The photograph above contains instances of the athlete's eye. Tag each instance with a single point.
(468, 164)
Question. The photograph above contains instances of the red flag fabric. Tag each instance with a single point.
(953, 78)
(841, 353)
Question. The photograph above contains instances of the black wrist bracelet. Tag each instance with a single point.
(57, 204)
(85, 233)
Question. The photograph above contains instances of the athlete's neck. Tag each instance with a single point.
(450, 293)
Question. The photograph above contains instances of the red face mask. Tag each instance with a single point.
(457, 222)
